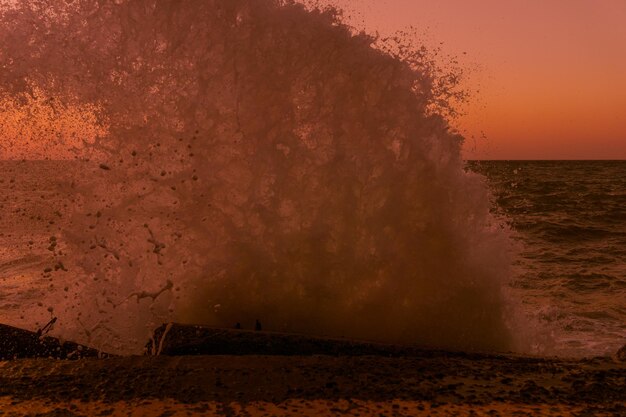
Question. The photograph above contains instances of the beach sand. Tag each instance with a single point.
(432, 383)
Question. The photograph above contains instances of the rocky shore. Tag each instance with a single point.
(424, 382)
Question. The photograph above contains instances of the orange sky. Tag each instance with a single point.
(551, 73)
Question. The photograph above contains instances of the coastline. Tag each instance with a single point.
(435, 383)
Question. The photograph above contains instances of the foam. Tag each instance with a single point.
(262, 161)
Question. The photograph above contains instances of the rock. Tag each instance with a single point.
(19, 343)
(175, 339)
(621, 354)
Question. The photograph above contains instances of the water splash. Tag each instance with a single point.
(252, 159)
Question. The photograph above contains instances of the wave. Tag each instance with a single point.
(251, 160)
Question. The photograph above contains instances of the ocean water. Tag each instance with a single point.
(33, 209)
(569, 218)
(255, 159)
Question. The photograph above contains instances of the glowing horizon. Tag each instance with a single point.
(546, 78)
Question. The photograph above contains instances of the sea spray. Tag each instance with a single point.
(255, 160)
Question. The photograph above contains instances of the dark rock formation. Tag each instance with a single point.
(181, 339)
(19, 343)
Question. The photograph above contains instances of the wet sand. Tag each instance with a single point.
(433, 383)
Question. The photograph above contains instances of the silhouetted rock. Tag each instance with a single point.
(19, 343)
(257, 326)
(621, 354)
(183, 339)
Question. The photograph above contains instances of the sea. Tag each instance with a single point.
(567, 220)
(222, 162)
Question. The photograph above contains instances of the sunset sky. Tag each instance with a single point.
(547, 78)
(551, 74)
